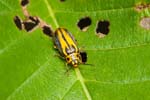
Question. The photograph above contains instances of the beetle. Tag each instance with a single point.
(67, 47)
(63, 40)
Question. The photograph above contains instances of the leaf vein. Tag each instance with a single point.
(92, 11)
(68, 90)
(6, 5)
(28, 79)
(14, 42)
(134, 81)
(109, 49)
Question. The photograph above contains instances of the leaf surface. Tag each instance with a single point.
(30, 71)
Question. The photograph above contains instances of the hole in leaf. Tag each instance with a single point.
(141, 7)
(18, 22)
(24, 2)
(84, 23)
(83, 56)
(145, 23)
(47, 30)
(31, 23)
(29, 26)
(102, 28)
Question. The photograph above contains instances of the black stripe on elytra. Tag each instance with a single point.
(57, 42)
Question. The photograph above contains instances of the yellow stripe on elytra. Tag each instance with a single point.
(69, 39)
(62, 42)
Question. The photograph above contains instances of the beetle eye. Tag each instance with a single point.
(68, 59)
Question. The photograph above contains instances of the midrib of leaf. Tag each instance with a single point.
(78, 73)
(51, 13)
(81, 79)
(93, 11)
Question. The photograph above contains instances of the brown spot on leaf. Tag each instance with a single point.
(141, 7)
(145, 23)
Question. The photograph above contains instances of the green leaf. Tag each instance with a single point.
(30, 71)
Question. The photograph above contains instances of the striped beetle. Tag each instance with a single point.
(66, 44)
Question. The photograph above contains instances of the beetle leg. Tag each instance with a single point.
(58, 55)
(67, 69)
(81, 48)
